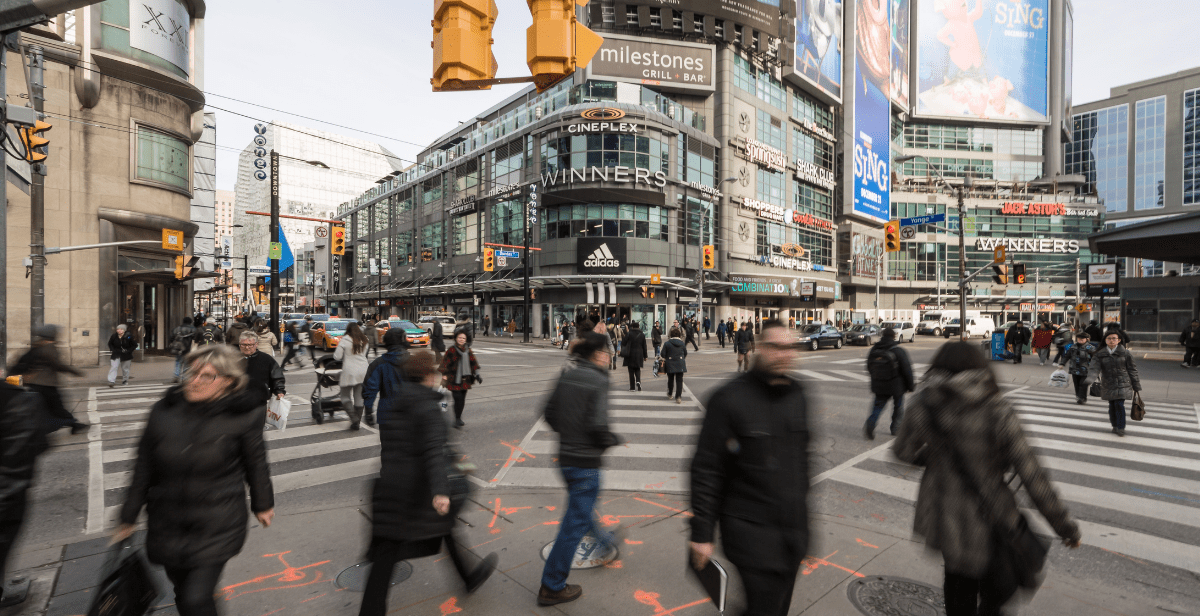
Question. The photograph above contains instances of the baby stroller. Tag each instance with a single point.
(328, 372)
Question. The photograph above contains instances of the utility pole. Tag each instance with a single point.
(962, 261)
(878, 274)
(274, 315)
(700, 274)
(37, 204)
(1037, 273)
(8, 37)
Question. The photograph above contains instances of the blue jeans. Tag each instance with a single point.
(583, 486)
(179, 365)
(897, 411)
(1116, 414)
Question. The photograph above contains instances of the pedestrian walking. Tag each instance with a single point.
(459, 371)
(1113, 365)
(891, 377)
(1043, 336)
(437, 341)
(267, 341)
(743, 345)
(1095, 334)
(1190, 339)
(721, 333)
(689, 329)
(512, 327)
(962, 429)
(211, 333)
(121, 346)
(487, 325)
(290, 338)
(352, 352)
(1076, 360)
(203, 443)
(413, 501)
(674, 355)
(750, 474)
(234, 335)
(372, 333)
(22, 441)
(1062, 338)
(578, 411)
(181, 344)
(385, 375)
(1016, 339)
(306, 341)
(39, 368)
(634, 351)
(264, 375)
(1116, 327)
(707, 327)
(656, 338)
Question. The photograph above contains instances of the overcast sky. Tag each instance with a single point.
(368, 66)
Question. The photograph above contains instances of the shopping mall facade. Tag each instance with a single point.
(731, 128)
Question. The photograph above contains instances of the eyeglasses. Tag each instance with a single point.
(203, 378)
(248, 343)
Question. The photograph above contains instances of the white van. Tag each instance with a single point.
(977, 326)
(934, 323)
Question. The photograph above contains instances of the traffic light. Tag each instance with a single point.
(337, 240)
(891, 236)
(1019, 272)
(462, 44)
(710, 260)
(645, 291)
(489, 260)
(533, 294)
(1001, 276)
(37, 146)
(556, 44)
(179, 261)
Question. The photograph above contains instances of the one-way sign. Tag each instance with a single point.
(922, 220)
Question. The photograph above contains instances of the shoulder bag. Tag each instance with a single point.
(1137, 412)
(1095, 390)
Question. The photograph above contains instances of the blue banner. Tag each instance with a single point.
(872, 111)
(286, 260)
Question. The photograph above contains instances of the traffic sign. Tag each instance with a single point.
(511, 254)
(321, 232)
(908, 232)
(922, 220)
(655, 279)
(1083, 308)
(276, 250)
(998, 255)
(501, 261)
(172, 239)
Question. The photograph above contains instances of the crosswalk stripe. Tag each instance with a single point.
(1102, 406)
(106, 414)
(856, 360)
(129, 453)
(124, 401)
(1140, 430)
(632, 414)
(1116, 454)
(655, 402)
(629, 450)
(817, 375)
(1041, 395)
(1131, 438)
(854, 376)
(625, 428)
(1179, 424)
(659, 481)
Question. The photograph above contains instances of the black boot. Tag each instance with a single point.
(482, 572)
(369, 418)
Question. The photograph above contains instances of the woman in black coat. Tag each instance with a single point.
(202, 442)
(412, 510)
(634, 351)
(674, 354)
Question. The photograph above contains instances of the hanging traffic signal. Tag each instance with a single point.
(891, 236)
(37, 146)
(533, 294)
(645, 291)
(179, 261)
(337, 240)
(710, 253)
(489, 260)
(557, 44)
(462, 44)
(1019, 272)
(1001, 276)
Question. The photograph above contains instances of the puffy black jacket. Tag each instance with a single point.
(674, 354)
(636, 342)
(903, 381)
(266, 376)
(437, 340)
(22, 440)
(41, 365)
(194, 462)
(750, 472)
(578, 411)
(1190, 337)
(412, 436)
(385, 376)
(121, 347)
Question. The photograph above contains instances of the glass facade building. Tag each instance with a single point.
(1150, 149)
(1099, 151)
(1191, 147)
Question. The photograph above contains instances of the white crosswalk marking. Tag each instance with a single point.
(1091, 470)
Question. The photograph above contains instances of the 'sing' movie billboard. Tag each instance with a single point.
(983, 59)
(872, 109)
(819, 44)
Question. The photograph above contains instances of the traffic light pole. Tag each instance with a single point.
(700, 275)
(962, 262)
(37, 206)
(274, 315)
(7, 36)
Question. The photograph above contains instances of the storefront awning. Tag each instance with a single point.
(1176, 238)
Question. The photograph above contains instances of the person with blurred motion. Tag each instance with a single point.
(1095, 334)
(674, 356)
(267, 341)
(744, 344)
(721, 333)
(22, 441)
(385, 375)
(181, 343)
(459, 371)
(352, 352)
(202, 445)
(891, 377)
(413, 507)
(39, 368)
(634, 353)
(1113, 364)
(750, 475)
(305, 338)
(966, 434)
(1190, 339)
(212, 334)
(1016, 339)
(290, 338)
(1043, 337)
(121, 346)
(437, 340)
(371, 331)
(264, 375)
(578, 411)
(656, 333)
(1062, 338)
(689, 334)
(1076, 360)
(234, 335)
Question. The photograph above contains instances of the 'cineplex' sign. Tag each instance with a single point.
(1018, 208)
(989, 244)
(768, 211)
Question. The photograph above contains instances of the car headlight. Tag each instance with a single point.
(804, 339)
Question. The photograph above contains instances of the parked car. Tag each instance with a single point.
(817, 336)
(447, 321)
(417, 336)
(904, 330)
(976, 326)
(863, 333)
(330, 333)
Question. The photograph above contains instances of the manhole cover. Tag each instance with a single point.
(590, 553)
(892, 596)
(354, 577)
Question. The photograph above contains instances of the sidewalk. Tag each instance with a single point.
(304, 564)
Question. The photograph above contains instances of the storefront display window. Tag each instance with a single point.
(464, 233)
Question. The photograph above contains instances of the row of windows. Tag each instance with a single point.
(1149, 156)
(1191, 147)
(696, 213)
(606, 220)
(808, 148)
(1018, 141)
(770, 131)
(770, 235)
(812, 200)
(1099, 151)
(769, 187)
(1002, 170)
(805, 108)
(759, 83)
(606, 150)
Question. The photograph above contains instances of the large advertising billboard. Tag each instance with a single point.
(872, 109)
(983, 60)
(669, 65)
(900, 52)
(819, 44)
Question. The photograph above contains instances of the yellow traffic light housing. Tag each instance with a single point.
(710, 260)
(557, 44)
(1019, 272)
(179, 261)
(36, 144)
(891, 236)
(489, 260)
(1001, 276)
(462, 44)
(337, 240)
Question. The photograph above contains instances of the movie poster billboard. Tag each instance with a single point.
(983, 60)
(872, 109)
(900, 52)
(819, 44)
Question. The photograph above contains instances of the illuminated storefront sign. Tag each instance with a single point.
(776, 213)
(1018, 208)
(781, 286)
(1047, 246)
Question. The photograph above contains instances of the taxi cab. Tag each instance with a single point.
(417, 336)
(326, 335)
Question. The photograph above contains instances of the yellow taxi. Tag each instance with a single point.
(417, 336)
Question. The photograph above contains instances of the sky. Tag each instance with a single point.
(368, 70)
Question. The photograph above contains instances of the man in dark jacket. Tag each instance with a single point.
(1190, 339)
(266, 377)
(743, 344)
(578, 411)
(1017, 337)
(385, 375)
(721, 333)
(22, 440)
(635, 353)
(707, 327)
(891, 377)
(437, 341)
(39, 368)
(656, 338)
(1095, 334)
(181, 340)
(750, 475)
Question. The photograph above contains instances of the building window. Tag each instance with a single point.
(432, 242)
(743, 75)
(771, 236)
(806, 109)
(690, 215)
(700, 165)
(759, 83)
(1016, 141)
(161, 158)
(508, 223)
(506, 162)
(466, 175)
(809, 148)
(605, 219)
(1099, 151)
(770, 131)
(405, 251)
(920, 261)
(464, 235)
(383, 253)
(1191, 147)
(609, 150)
(812, 200)
(1150, 149)
(770, 187)
(431, 189)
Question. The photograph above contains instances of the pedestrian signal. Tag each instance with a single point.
(1019, 272)
(891, 236)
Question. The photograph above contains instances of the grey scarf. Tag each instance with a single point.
(464, 365)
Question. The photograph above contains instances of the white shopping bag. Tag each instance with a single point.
(277, 413)
(447, 399)
(1059, 378)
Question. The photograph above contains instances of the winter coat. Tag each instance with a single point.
(449, 368)
(121, 347)
(903, 381)
(1190, 337)
(41, 364)
(354, 365)
(1043, 337)
(193, 462)
(1117, 372)
(22, 440)
(744, 340)
(721, 329)
(674, 354)
(413, 469)
(1017, 337)
(1095, 333)
(267, 342)
(636, 343)
(578, 411)
(964, 411)
(689, 332)
(656, 336)
(1077, 357)
(385, 376)
(750, 473)
(437, 340)
(266, 376)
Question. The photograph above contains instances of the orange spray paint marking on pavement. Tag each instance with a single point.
(550, 507)
(632, 542)
(861, 542)
(450, 606)
(648, 502)
(499, 510)
(289, 574)
(651, 599)
(616, 564)
(512, 454)
(812, 563)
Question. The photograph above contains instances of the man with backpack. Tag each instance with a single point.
(210, 334)
(891, 377)
(181, 343)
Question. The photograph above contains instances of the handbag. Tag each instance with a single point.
(126, 586)
(457, 470)
(1138, 411)
(1095, 390)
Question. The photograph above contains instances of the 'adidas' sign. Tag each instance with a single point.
(603, 257)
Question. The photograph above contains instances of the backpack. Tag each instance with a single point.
(882, 365)
(207, 336)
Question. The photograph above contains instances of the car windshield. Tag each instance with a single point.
(335, 327)
(893, 325)
(811, 329)
(861, 327)
(403, 324)
(954, 321)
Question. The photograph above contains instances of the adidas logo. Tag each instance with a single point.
(603, 257)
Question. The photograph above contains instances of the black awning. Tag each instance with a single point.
(1176, 238)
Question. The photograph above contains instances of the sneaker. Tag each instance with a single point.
(1080, 401)
(639, 386)
(458, 423)
(1120, 431)
(678, 401)
(569, 593)
(869, 431)
(1184, 365)
(481, 573)
(354, 426)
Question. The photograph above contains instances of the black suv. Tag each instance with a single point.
(817, 336)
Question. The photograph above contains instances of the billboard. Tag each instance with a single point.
(819, 44)
(900, 51)
(985, 60)
(668, 65)
(872, 109)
